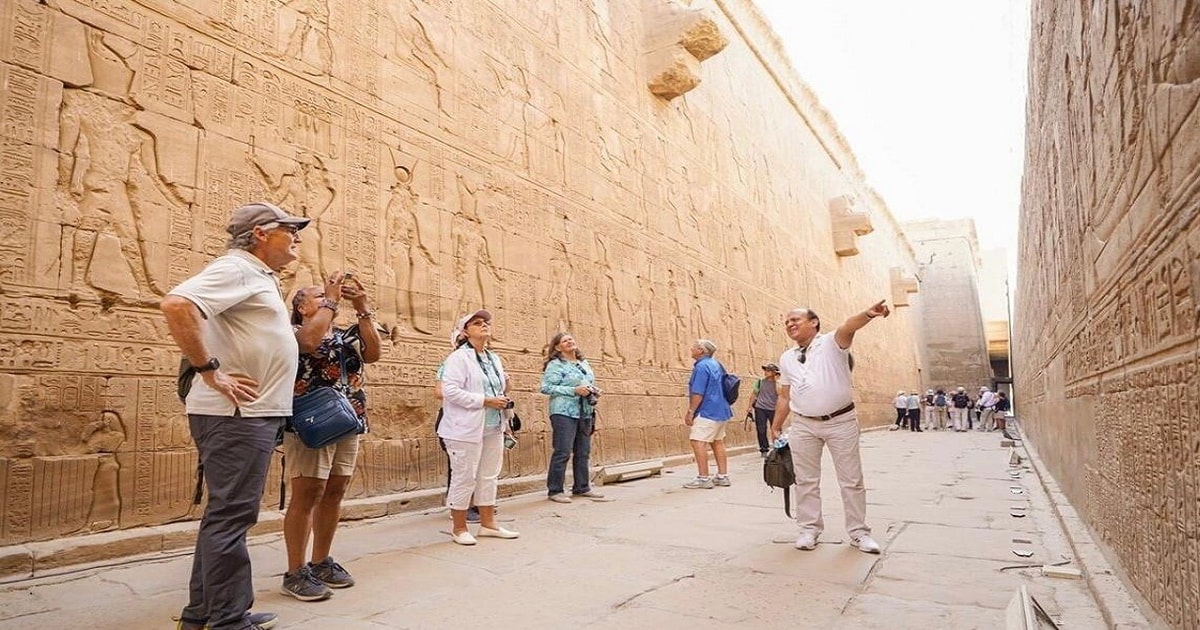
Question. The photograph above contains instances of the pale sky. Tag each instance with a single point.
(930, 94)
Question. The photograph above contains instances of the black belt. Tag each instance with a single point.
(843, 410)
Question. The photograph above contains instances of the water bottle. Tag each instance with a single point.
(779, 442)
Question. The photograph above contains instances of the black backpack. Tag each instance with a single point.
(779, 473)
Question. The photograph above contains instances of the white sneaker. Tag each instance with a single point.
(806, 541)
(560, 498)
(865, 544)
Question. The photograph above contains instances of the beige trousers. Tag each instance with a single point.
(959, 416)
(987, 419)
(807, 439)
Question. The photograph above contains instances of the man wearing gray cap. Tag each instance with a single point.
(762, 405)
(231, 323)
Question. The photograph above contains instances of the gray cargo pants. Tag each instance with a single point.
(235, 453)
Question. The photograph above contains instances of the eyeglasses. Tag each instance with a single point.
(803, 354)
(274, 225)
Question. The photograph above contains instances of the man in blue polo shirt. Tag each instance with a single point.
(707, 415)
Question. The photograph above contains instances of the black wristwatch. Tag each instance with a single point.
(212, 364)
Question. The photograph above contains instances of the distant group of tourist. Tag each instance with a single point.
(248, 360)
(957, 411)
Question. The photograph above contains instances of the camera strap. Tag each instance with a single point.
(578, 365)
(489, 370)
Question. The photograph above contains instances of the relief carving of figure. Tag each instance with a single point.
(558, 302)
(105, 161)
(410, 261)
(420, 37)
(610, 303)
(681, 311)
(307, 191)
(547, 141)
(474, 267)
(643, 326)
(104, 435)
(509, 111)
(598, 18)
(313, 21)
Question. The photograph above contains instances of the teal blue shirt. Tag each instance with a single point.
(559, 381)
(493, 386)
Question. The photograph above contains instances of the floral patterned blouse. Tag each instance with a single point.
(321, 368)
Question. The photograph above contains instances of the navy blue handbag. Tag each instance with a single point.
(324, 415)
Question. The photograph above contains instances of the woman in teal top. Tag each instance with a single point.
(571, 384)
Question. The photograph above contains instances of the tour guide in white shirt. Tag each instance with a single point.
(815, 394)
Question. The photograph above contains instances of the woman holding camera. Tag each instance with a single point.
(474, 389)
(571, 384)
(318, 477)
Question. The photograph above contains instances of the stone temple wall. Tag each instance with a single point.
(951, 315)
(1109, 282)
(642, 172)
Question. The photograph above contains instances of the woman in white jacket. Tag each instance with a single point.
(475, 388)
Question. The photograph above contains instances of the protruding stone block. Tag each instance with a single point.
(903, 283)
(678, 73)
(677, 39)
(848, 224)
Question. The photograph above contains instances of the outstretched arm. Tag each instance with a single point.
(845, 333)
(149, 156)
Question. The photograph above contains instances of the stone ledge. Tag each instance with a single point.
(1117, 602)
(40, 559)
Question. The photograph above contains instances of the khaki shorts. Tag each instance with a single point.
(319, 463)
(705, 430)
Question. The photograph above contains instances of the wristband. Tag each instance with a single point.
(329, 304)
(367, 314)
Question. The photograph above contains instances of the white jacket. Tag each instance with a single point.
(463, 391)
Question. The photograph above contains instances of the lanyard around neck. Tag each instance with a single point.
(488, 370)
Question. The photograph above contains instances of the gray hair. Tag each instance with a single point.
(709, 347)
(245, 241)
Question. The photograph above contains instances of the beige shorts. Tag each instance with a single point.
(319, 463)
(705, 430)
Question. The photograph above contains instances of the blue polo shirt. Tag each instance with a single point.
(706, 381)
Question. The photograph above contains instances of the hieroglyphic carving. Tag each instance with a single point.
(309, 36)
(1110, 291)
(558, 300)
(411, 264)
(306, 190)
(423, 44)
(612, 305)
(644, 324)
(474, 266)
(506, 132)
(107, 158)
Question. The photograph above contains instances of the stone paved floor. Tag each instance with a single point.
(658, 557)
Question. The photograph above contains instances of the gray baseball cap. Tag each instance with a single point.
(259, 213)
